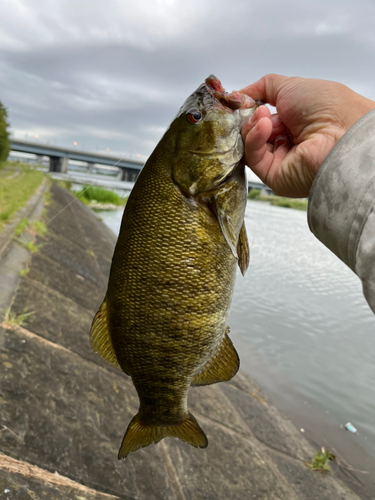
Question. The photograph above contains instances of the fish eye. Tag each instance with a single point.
(195, 116)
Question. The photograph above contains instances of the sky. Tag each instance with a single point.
(113, 73)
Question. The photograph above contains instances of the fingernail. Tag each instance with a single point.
(257, 125)
(253, 118)
(280, 139)
(248, 101)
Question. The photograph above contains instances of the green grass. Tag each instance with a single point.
(29, 245)
(63, 184)
(25, 271)
(320, 461)
(21, 226)
(278, 201)
(13, 320)
(89, 194)
(16, 191)
(290, 203)
(47, 198)
(254, 194)
(39, 227)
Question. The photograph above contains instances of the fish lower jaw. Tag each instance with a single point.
(231, 147)
(214, 154)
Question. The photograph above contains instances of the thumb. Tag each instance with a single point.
(266, 89)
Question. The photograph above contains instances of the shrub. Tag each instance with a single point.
(254, 194)
(321, 459)
(94, 193)
(4, 134)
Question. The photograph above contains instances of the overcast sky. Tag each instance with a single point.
(113, 73)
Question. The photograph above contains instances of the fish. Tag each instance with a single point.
(164, 318)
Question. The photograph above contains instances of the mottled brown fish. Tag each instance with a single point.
(164, 318)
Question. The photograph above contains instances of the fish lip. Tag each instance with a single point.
(230, 101)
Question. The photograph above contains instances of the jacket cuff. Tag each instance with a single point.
(343, 192)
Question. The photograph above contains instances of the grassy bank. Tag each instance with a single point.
(95, 197)
(18, 182)
(278, 201)
(94, 194)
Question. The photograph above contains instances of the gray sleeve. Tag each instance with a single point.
(342, 199)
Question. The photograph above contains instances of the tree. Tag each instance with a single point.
(4, 134)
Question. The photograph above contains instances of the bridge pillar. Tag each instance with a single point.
(58, 164)
(124, 174)
(129, 174)
(119, 175)
(90, 167)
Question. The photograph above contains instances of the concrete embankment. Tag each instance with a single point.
(65, 411)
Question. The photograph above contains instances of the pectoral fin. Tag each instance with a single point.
(243, 250)
(221, 367)
(100, 339)
(227, 227)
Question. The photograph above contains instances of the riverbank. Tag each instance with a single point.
(17, 183)
(65, 411)
(278, 201)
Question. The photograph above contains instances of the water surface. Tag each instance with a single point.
(301, 325)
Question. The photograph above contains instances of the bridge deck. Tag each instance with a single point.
(73, 154)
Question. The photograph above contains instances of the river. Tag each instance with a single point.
(303, 330)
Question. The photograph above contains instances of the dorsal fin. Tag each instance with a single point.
(223, 365)
(99, 336)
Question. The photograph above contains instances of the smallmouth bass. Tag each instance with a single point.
(164, 318)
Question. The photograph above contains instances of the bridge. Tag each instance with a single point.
(59, 158)
(259, 185)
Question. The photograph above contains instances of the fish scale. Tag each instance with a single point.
(164, 318)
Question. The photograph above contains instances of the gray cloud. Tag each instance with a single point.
(106, 74)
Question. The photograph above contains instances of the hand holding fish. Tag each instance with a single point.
(287, 149)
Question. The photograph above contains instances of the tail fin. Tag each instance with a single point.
(139, 435)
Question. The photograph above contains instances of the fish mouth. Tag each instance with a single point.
(216, 153)
(231, 101)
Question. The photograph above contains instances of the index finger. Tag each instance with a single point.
(265, 89)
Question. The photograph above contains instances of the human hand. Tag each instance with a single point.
(287, 149)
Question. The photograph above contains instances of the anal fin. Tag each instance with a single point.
(221, 367)
(99, 336)
(243, 250)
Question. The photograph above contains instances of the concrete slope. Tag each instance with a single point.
(64, 410)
